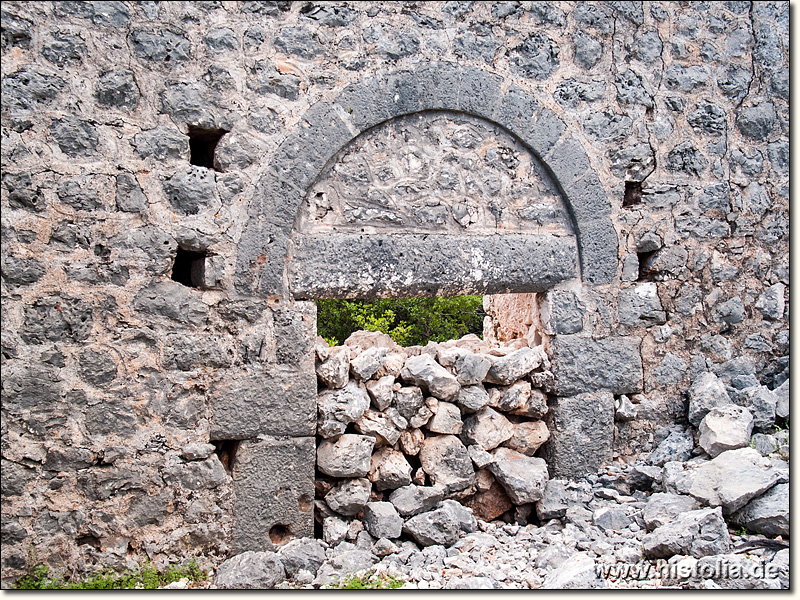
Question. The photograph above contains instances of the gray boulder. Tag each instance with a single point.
(366, 364)
(765, 443)
(334, 530)
(349, 497)
(697, 533)
(468, 367)
(762, 403)
(578, 572)
(782, 406)
(472, 583)
(437, 527)
(663, 508)
(303, 554)
(523, 477)
(730, 480)
(611, 518)
(381, 392)
(446, 420)
(486, 429)
(472, 398)
(347, 456)
(382, 520)
(413, 499)
(335, 371)
(705, 393)
(505, 370)
(410, 403)
(677, 446)
(464, 515)
(389, 470)
(344, 563)
(725, 428)
(767, 514)
(559, 495)
(250, 571)
(446, 461)
(425, 372)
(771, 303)
(381, 426)
(337, 408)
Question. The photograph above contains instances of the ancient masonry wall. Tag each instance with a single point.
(179, 179)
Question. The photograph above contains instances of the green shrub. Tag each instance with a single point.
(368, 581)
(409, 321)
(146, 577)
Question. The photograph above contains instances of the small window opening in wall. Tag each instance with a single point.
(644, 265)
(633, 193)
(226, 452)
(202, 144)
(189, 268)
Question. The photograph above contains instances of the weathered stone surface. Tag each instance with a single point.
(505, 370)
(585, 365)
(624, 409)
(577, 572)
(767, 514)
(491, 503)
(677, 446)
(381, 392)
(334, 372)
(468, 367)
(663, 508)
(279, 402)
(349, 497)
(334, 530)
(706, 392)
(75, 137)
(445, 460)
(761, 402)
(523, 477)
(436, 527)
(381, 426)
(285, 499)
(130, 197)
(472, 398)
(640, 306)
(424, 372)
(162, 143)
(782, 405)
(411, 441)
(537, 263)
(697, 533)
(771, 303)
(464, 516)
(303, 554)
(250, 570)
(346, 456)
(527, 437)
(510, 398)
(191, 190)
(534, 406)
(581, 432)
(730, 480)
(446, 420)
(337, 408)
(382, 521)
(611, 518)
(725, 428)
(366, 364)
(389, 470)
(559, 495)
(486, 429)
(160, 46)
(413, 499)
(118, 89)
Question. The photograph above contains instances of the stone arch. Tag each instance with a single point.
(327, 127)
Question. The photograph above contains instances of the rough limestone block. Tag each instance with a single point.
(585, 365)
(281, 502)
(581, 435)
(281, 401)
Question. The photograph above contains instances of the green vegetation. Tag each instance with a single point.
(146, 577)
(368, 581)
(409, 321)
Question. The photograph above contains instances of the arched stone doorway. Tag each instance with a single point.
(287, 254)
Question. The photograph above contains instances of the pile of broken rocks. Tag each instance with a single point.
(708, 508)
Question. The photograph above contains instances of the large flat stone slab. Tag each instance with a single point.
(581, 364)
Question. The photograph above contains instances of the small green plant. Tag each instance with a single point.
(368, 581)
(146, 577)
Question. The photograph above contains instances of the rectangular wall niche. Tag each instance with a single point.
(190, 268)
(202, 144)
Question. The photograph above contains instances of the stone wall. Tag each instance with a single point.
(160, 161)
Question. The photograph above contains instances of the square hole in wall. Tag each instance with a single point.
(633, 193)
(189, 268)
(203, 144)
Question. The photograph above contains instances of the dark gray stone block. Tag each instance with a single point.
(364, 104)
(479, 92)
(278, 401)
(581, 435)
(261, 259)
(75, 137)
(191, 190)
(345, 266)
(439, 85)
(568, 162)
(757, 122)
(161, 46)
(599, 247)
(130, 197)
(273, 489)
(22, 271)
(172, 300)
(118, 89)
(582, 364)
(62, 48)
